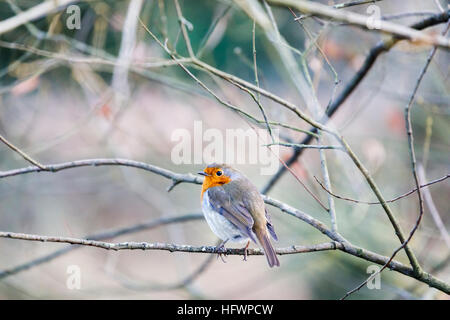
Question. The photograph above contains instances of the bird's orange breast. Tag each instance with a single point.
(213, 180)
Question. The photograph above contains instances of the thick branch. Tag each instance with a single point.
(164, 246)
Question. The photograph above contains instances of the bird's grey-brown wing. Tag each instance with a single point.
(256, 205)
(270, 227)
(232, 209)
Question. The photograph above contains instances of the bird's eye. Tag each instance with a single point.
(219, 173)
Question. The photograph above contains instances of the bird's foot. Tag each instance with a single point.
(246, 250)
(222, 251)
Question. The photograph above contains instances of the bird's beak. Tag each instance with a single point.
(203, 174)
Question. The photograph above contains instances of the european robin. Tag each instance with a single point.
(235, 210)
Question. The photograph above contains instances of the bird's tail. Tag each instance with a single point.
(269, 251)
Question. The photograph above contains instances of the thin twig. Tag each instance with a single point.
(22, 154)
(326, 178)
(432, 207)
(306, 146)
(255, 70)
(212, 27)
(377, 202)
(182, 22)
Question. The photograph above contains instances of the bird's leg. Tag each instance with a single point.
(221, 251)
(246, 250)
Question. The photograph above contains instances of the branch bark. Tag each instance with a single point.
(164, 246)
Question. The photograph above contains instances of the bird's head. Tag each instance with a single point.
(217, 175)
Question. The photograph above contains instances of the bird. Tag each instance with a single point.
(235, 210)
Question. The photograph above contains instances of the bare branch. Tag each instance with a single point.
(359, 20)
(306, 146)
(175, 177)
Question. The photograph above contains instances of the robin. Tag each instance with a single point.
(235, 210)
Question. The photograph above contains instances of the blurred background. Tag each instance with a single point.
(109, 91)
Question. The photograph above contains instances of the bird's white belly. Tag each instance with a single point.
(221, 227)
